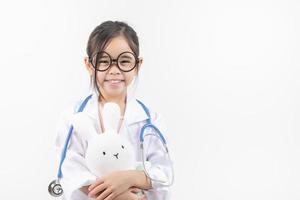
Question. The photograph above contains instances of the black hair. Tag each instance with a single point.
(103, 33)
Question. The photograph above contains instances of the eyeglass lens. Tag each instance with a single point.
(126, 61)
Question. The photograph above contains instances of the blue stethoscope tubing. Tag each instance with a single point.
(149, 125)
(56, 183)
(55, 188)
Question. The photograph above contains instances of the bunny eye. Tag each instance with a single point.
(103, 152)
(123, 147)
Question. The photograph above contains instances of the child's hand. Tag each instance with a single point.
(110, 186)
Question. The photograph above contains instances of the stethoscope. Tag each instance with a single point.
(55, 188)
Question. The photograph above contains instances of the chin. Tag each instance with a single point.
(116, 93)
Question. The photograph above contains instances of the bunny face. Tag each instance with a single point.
(109, 151)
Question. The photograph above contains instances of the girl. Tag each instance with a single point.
(113, 64)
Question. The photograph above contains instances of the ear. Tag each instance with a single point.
(88, 66)
(111, 116)
(83, 125)
(141, 60)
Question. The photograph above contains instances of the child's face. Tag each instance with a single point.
(113, 82)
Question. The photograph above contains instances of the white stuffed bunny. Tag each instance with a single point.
(109, 151)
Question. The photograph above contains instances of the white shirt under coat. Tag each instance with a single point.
(74, 170)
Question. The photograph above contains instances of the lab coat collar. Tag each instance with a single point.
(134, 112)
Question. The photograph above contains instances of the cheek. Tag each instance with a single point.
(100, 77)
(129, 77)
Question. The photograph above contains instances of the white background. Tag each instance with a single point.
(225, 75)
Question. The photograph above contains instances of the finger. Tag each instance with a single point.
(110, 197)
(96, 183)
(104, 194)
(97, 190)
(121, 196)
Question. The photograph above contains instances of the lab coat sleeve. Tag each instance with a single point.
(74, 171)
(160, 164)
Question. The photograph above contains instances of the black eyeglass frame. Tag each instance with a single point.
(113, 61)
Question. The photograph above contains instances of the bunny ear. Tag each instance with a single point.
(83, 125)
(111, 116)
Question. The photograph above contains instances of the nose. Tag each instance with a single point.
(114, 69)
(116, 155)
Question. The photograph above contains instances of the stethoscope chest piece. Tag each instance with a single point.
(55, 188)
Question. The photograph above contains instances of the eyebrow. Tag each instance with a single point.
(103, 56)
(125, 56)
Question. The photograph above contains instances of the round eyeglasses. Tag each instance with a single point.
(102, 61)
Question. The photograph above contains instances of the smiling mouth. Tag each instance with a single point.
(114, 81)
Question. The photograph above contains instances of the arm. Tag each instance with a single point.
(110, 186)
(75, 173)
(138, 179)
(160, 166)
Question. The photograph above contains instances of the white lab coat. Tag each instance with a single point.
(74, 170)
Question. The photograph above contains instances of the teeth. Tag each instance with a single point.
(115, 81)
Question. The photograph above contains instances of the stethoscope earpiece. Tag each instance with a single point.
(55, 188)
